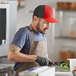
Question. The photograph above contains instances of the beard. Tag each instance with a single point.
(39, 29)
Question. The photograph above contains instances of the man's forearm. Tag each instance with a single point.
(20, 57)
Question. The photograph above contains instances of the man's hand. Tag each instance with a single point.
(75, 67)
(43, 61)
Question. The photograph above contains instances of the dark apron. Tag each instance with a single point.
(38, 48)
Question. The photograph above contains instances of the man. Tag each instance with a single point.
(28, 48)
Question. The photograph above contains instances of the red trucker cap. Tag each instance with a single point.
(45, 12)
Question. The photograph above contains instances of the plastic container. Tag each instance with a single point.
(72, 63)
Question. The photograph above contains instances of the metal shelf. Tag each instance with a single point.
(65, 37)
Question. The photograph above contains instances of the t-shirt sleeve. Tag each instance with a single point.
(19, 38)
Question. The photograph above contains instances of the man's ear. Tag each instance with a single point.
(35, 19)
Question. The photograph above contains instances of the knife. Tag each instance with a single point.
(59, 68)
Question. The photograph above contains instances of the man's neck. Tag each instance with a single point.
(34, 28)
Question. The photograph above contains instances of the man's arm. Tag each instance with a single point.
(15, 55)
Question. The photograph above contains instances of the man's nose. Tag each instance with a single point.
(47, 26)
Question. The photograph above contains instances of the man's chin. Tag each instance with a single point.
(44, 32)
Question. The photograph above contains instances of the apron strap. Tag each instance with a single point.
(31, 29)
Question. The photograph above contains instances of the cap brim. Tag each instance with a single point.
(52, 20)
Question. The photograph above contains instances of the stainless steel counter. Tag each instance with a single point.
(5, 70)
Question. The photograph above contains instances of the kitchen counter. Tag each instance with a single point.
(63, 74)
(59, 73)
(39, 71)
(5, 70)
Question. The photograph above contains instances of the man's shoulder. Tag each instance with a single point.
(24, 29)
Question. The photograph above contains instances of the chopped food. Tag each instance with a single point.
(64, 70)
(64, 65)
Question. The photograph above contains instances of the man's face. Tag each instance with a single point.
(42, 25)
